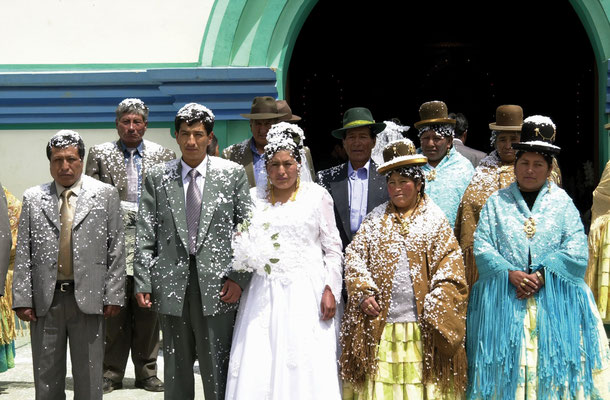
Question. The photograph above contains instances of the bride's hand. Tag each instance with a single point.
(328, 305)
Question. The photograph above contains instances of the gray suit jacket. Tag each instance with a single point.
(97, 242)
(161, 264)
(6, 240)
(336, 182)
(473, 155)
(106, 163)
(242, 154)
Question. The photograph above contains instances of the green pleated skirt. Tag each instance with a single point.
(400, 368)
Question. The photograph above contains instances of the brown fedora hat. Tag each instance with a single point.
(284, 108)
(509, 117)
(263, 107)
(434, 112)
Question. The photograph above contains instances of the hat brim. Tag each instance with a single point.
(294, 118)
(263, 115)
(433, 121)
(403, 161)
(537, 147)
(375, 129)
(504, 128)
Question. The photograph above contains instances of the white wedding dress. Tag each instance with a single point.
(281, 348)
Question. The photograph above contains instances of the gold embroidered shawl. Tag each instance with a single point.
(439, 285)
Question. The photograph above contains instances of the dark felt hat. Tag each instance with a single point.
(400, 153)
(538, 135)
(434, 113)
(284, 108)
(357, 117)
(509, 117)
(263, 107)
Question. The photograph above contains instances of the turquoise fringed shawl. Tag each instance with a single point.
(568, 340)
(453, 175)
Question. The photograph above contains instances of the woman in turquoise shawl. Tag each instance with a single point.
(533, 331)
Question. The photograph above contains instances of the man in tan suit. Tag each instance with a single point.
(69, 271)
(123, 163)
(249, 153)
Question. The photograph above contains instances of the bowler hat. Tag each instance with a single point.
(357, 117)
(434, 113)
(263, 107)
(284, 108)
(400, 153)
(538, 135)
(509, 117)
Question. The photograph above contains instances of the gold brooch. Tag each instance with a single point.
(529, 227)
(432, 175)
(404, 228)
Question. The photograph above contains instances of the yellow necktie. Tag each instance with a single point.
(64, 260)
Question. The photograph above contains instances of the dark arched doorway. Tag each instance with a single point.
(392, 58)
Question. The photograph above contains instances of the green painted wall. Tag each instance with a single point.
(595, 16)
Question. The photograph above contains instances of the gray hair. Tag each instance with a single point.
(132, 106)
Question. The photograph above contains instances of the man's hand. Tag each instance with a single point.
(26, 314)
(111, 311)
(230, 292)
(144, 300)
(328, 305)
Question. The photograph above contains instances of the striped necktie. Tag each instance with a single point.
(132, 177)
(193, 209)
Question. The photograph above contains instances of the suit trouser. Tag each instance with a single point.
(134, 328)
(65, 322)
(195, 336)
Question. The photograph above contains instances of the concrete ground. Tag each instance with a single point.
(18, 383)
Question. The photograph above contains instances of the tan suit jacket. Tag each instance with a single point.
(97, 237)
(106, 163)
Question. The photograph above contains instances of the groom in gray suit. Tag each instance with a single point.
(188, 211)
(69, 271)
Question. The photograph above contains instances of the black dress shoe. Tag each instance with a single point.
(109, 385)
(152, 384)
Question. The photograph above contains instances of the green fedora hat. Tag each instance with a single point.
(355, 118)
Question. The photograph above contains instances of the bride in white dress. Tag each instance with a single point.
(285, 341)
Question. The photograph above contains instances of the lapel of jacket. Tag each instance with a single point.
(116, 168)
(84, 202)
(248, 163)
(208, 200)
(174, 190)
(340, 195)
(148, 159)
(49, 205)
(376, 188)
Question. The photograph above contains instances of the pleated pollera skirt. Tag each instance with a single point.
(400, 368)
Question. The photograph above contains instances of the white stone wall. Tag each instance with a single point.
(102, 31)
